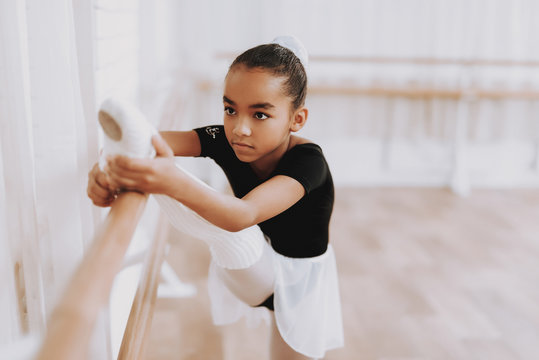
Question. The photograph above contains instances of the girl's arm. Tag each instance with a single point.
(182, 143)
(230, 213)
(160, 175)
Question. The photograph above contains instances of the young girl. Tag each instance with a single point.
(281, 182)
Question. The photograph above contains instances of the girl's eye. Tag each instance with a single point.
(261, 116)
(229, 110)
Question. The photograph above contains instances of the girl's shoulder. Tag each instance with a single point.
(297, 142)
(305, 162)
(304, 151)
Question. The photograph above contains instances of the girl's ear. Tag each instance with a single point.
(300, 118)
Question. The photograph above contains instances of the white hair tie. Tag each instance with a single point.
(293, 44)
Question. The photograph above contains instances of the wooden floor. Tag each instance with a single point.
(423, 275)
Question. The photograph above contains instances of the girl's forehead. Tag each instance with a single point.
(244, 84)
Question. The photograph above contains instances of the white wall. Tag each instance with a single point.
(46, 217)
(116, 48)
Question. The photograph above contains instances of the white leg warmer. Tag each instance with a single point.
(231, 250)
(128, 133)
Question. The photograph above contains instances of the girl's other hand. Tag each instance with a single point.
(155, 176)
(99, 188)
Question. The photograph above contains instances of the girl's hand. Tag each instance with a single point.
(156, 176)
(99, 188)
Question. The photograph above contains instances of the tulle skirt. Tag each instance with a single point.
(306, 300)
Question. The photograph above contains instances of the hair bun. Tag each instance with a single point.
(294, 45)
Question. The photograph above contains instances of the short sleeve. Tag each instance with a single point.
(306, 164)
(211, 140)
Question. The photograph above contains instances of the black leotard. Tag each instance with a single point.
(302, 230)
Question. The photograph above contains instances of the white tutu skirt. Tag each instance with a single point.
(306, 301)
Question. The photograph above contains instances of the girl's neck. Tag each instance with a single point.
(264, 166)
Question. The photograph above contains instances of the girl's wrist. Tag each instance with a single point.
(165, 178)
(178, 185)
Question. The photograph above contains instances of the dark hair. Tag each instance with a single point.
(279, 61)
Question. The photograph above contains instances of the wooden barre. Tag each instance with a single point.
(424, 61)
(410, 92)
(419, 92)
(72, 321)
(406, 60)
(139, 321)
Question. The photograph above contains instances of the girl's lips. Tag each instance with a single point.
(241, 145)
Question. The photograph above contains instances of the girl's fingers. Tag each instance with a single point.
(98, 191)
(123, 164)
(97, 188)
(122, 167)
(124, 180)
(138, 174)
(121, 181)
(102, 180)
(100, 197)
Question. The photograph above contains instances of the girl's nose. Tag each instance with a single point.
(242, 128)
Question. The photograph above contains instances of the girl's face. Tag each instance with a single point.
(258, 115)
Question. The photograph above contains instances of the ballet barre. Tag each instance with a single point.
(424, 61)
(366, 59)
(73, 319)
(414, 91)
(139, 322)
(408, 91)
